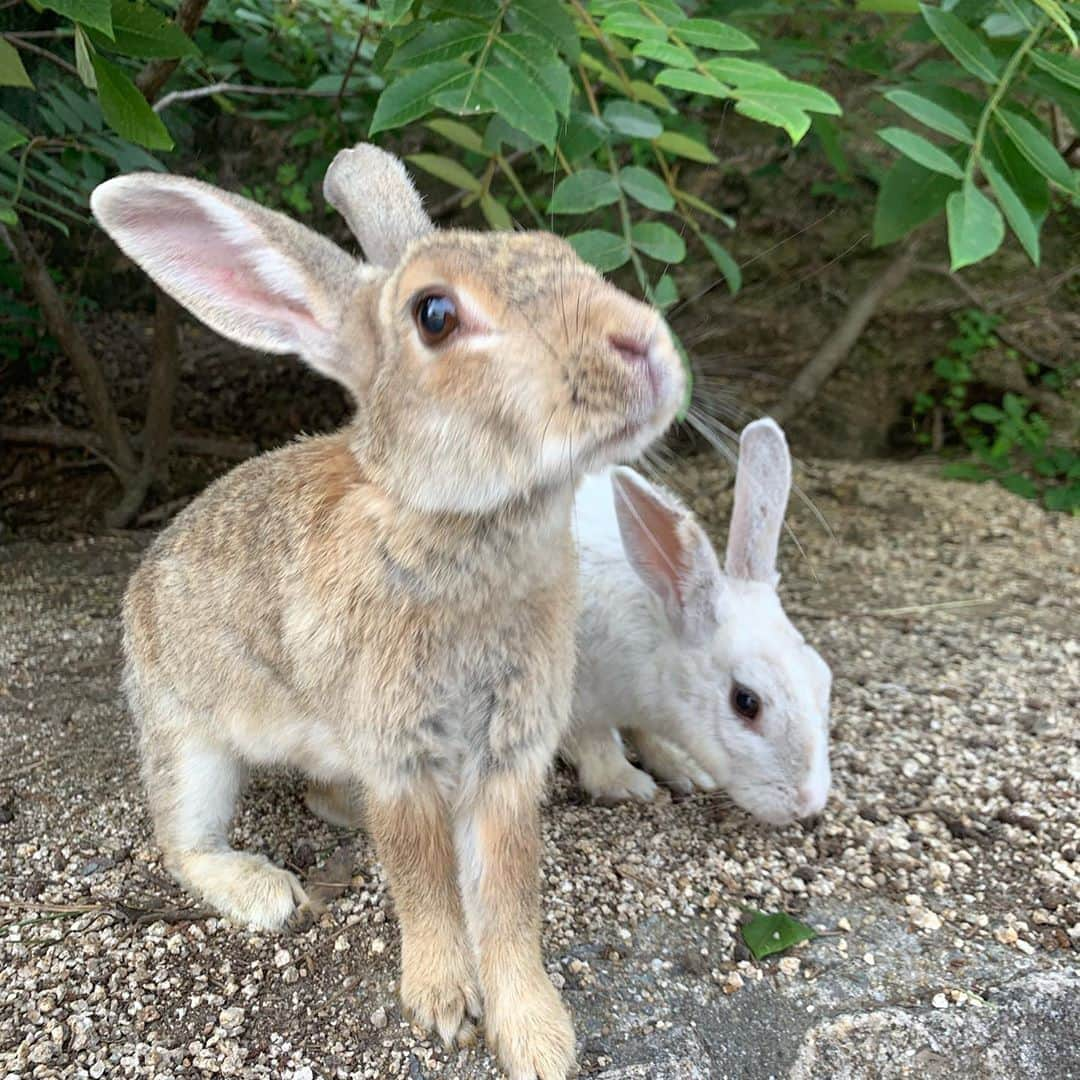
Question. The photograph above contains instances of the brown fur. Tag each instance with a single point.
(392, 606)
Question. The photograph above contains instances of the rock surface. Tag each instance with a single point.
(945, 871)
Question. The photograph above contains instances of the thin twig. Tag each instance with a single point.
(21, 43)
(239, 88)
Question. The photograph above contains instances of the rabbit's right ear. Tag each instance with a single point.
(249, 273)
(670, 552)
(762, 484)
(372, 191)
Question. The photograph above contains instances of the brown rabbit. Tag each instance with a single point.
(390, 607)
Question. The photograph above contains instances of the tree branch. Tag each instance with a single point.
(157, 72)
(114, 442)
(73, 438)
(840, 342)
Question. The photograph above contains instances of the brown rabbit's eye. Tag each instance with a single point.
(436, 317)
(745, 702)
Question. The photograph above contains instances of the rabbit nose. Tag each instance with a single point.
(632, 350)
(638, 353)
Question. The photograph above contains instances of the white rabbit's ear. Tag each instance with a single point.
(762, 484)
(372, 191)
(249, 273)
(670, 552)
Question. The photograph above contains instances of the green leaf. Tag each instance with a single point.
(706, 208)
(453, 39)
(1057, 13)
(582, 135)
(646, 188)
(533, 56)
(126, 110)
(585, 190)
(452, 172)
(828, 134)
(93, 13)
(549, 21)
(1066, 69)
(633, 24)
(604, 250)
(987, 414)
(889, 7)
(394, 10)
(711, 34)
(724, 263)
(964, 44)
(658, 241)
(665, 52)
(259, 60)
(12, 72)
(793, 120)
(1028, 183)
(519, 101)
(693, 82)
(458, 133)
(931, 114)
(408, 98)
(629, 118)
(683, 146)
(10, 137)
(1016, 213)
(788, 94)
(1019, 485)
(965, 470)
(768, 934)
(921, 150)
(909, 195)
(145, 33)
(665, 293)
(496, 215)
(83, 64)
(975, 226)
(1036, 147)
(7, 213)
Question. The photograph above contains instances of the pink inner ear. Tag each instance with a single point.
(659, 553)
(229, 267)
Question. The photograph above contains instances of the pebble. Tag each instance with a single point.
(378, 1018)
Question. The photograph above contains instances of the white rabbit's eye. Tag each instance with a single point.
(436, 317)
(745, 702)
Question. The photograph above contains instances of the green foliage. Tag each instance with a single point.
(1008, 440)
(1000, 160)
(582, 116)
(768, 934)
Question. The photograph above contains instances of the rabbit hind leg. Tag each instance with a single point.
(193, 784)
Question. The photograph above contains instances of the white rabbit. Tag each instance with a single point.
(702, 669)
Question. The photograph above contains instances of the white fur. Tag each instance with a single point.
(641, 671)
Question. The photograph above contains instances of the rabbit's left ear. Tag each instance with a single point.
(372, 191)
(762, 484)
(670, 552)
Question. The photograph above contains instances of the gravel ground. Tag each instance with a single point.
(946, 868)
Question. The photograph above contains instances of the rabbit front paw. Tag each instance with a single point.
(247, 888)
(532, 1035)
(618, 782)
(673, 766)
(442, 996)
